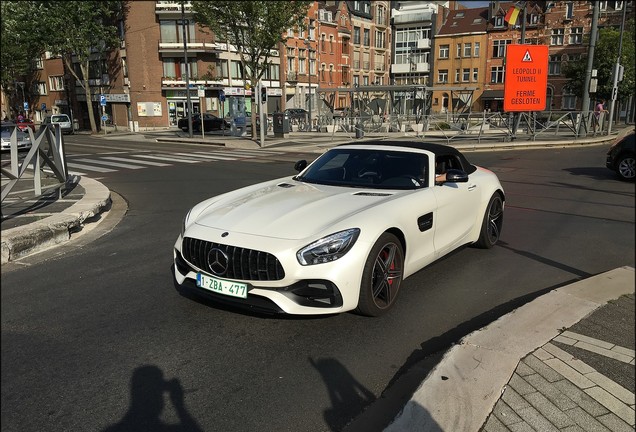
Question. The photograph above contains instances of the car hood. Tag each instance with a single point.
(287, 209)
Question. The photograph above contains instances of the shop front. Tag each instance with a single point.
(178, 104)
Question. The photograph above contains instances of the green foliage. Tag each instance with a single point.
(605, 54)
(253, 27)
(21, 40)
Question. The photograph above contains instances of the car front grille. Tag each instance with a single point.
(242, 263)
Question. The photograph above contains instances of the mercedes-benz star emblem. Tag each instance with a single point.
(218, 261)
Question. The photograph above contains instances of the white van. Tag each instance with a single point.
(62, 119)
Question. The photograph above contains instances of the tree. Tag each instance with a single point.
(82, 32)
(255, 28)
(605, 54)
(21, 44)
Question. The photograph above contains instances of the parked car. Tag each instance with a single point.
(62, 119)
(23, 138)
(297, 114)
(210, 123)
(340, 235)
(620, 157)
(25, 124)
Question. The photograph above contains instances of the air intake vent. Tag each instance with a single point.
(372, 194)
(285, 185)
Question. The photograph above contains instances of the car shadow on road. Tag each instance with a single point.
(147, 389)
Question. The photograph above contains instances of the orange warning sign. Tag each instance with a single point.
(526, 77)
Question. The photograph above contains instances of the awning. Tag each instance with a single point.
(493, 94)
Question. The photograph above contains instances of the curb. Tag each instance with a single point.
(461, 391)
(56, 229)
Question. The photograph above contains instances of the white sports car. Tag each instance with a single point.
(343, 233)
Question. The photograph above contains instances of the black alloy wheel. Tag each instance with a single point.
(382, 276)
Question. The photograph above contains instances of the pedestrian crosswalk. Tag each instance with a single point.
(106, 163)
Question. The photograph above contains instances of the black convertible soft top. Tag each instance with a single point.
(437, 149)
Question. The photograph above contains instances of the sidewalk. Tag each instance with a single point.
(563, 362)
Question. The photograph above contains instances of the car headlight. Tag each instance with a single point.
(328, 248)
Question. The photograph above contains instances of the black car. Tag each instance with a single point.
(620, 157)
(210, 123)
(297, 113)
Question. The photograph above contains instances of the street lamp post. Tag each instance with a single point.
(187, 71)
(308, 43)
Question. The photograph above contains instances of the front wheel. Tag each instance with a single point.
(492, 223)
(382, 276)
(626, 167)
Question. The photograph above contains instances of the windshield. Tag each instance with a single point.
(364, 168)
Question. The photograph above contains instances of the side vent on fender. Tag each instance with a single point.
(425, 222)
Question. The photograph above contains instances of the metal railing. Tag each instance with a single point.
(475, 125)
(47, 151)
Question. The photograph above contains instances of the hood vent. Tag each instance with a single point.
(372, 194)
(285, 185)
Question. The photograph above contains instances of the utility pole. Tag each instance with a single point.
(187, 70)
(585, 107)
(617, 67)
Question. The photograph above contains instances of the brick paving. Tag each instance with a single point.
(552, 390)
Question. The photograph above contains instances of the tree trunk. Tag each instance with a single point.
(89, 101)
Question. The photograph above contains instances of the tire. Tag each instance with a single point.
(626, 167)
(492, 223)
(382, 276)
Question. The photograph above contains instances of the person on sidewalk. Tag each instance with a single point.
(598, 110)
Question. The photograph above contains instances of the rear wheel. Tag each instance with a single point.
(382, 276)
(492, 223)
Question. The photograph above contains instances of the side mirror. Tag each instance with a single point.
(300, 165)
(456, 176)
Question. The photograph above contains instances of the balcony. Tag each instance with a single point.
(424, 43)
(176, 48)
(180, 82)
(172, 9)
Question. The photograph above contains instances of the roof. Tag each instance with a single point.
(465, 21)
(437, 149)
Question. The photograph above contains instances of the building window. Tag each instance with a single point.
(569, 101)
(618, 5)
(602, 5)
(458, 51)
(356, 35)
(456, 75)
(442, 76)
(497, 74)
(172, 31)
(56, 83)
(302, 68)
(443, 51)
(576, 35)
(554, 65)
(290, 65)
(467, 49)
(499, 48)
(379, 39)
(569, 10)
(40, 88)
(236, 70)
(290, 33)
(499, 22)
(475, 74)
(367, 37)
(465, 75)
(476, 49)
(557, 37)
(534, 19)
(38, 63)
(331, 44)
(365, 80)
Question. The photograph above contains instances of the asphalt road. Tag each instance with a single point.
(98, 337)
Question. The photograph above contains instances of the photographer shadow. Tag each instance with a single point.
(147, 388)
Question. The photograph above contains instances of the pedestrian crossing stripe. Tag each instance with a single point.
(109, 163)
(206, 156)
(89, 167)
(137, 161)
(166, 158)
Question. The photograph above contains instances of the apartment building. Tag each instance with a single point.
(460, 63)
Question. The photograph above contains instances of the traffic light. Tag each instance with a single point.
(263, 94)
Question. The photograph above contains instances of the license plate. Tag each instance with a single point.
(222, 286)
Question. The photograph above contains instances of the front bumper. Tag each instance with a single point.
(320, 296)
